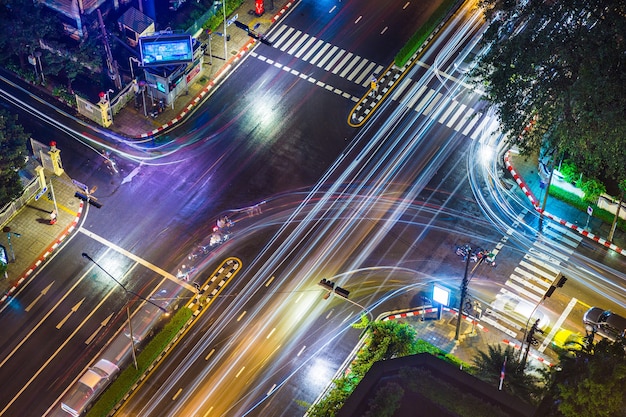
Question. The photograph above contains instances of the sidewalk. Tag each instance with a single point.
(525, 171)
(473, 335)
(38, 238)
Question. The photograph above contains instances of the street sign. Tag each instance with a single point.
(40, 193)
(589, 210)
(80, 185)
(232, 19)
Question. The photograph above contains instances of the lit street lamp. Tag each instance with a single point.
(128, 294)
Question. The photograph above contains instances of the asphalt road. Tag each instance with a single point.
(396, 195)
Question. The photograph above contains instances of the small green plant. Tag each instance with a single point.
(569, 171)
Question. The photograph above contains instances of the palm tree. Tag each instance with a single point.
(523, 384)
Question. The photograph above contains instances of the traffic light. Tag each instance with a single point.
(342, 292)
(530, 338)
(88, 199)
(561, 282)
(327, 284)
(330, 286)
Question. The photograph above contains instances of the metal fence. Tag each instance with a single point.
(11, 209)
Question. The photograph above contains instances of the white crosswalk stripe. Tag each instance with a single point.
(343, 61)
(283, 38)
(324, 55)
(290, 40)
(530, 280)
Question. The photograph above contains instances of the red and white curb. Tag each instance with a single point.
(531, 354)
(68, 230)
(531, 197)
(420, 312)
(219, 74)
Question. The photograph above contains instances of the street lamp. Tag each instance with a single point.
(128, 294)
(132, 59)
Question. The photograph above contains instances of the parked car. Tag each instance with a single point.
(605, 323)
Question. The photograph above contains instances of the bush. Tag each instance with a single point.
(569, 171)
(122, 385)
(418, 39)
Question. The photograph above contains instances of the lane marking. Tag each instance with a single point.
(271, 333)
(177, 394)
(301, 350)
(137, 259)
(241, 315)
(557, 325)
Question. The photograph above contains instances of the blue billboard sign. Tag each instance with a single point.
(165, 49)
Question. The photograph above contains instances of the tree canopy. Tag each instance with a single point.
(555, 72)
(589, 382)
(13, 155)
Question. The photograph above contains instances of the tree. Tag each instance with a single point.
(523, 384)
(13, 155)
(385, 340)
(23, 24)
(554, 72)
(593, 189)
(589, 383)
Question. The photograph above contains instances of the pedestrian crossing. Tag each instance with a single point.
(330, 58)
(530, 280)
(430, 103)
(445, 110)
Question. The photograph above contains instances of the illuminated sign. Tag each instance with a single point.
(166, 49)
(441, 295)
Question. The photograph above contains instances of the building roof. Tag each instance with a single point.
(71, 8)
(135, 20)
(441, 374)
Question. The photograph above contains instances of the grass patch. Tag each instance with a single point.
(419, 37)
(129, 376)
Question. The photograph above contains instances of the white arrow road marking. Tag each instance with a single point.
(131, 175)
(43, 292)
(72, 311)
(102, 325)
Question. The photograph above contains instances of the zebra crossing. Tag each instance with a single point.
(454, 115)
(530, 280)
(352, 67)
(330, 58)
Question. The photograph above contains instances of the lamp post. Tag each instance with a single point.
(128, 294)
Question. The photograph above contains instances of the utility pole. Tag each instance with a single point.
(463, 292)
(111, 63)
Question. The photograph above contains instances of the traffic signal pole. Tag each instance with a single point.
(463, 293)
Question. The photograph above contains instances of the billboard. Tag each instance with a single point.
(165, 49)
